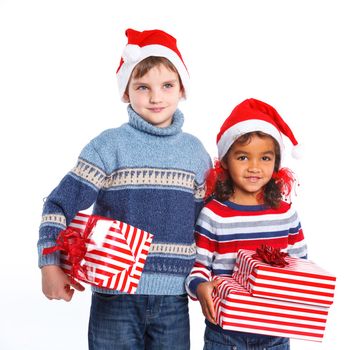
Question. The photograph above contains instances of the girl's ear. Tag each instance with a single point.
(224, 164)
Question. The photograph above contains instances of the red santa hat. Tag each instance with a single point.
(254, 115)
(145, 44)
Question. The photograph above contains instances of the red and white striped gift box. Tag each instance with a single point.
(301, 281)
(237, 310)
(116, 253)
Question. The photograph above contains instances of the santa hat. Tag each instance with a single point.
(145, 44)
(253, 115)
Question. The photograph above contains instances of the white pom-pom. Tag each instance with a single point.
(131, 53)
(297, 152)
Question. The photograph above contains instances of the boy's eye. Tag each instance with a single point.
(168, 85)
(242, 158)
(266, 158)
(141, 87)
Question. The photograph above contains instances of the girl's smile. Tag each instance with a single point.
(250, 167)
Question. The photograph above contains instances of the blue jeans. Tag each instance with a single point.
(145, 322)
(217, 339)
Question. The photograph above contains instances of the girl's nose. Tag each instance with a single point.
(253, 166)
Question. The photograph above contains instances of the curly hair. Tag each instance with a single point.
(272, 195)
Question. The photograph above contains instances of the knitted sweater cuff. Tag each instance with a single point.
(193, 285)
(47, 259)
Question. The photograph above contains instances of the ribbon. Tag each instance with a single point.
(217, 173)
(73, 244)
(91, 223)
(285, 180)
(271, 256)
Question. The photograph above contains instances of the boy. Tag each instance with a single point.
(149, 174)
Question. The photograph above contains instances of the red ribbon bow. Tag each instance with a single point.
(271, 256)
(217, 173)
(285, 180)
(73, 244)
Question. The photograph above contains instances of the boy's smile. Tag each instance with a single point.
(156, 95)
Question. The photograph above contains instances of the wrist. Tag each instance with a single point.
(194, 284)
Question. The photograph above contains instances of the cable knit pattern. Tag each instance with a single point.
(149, 177)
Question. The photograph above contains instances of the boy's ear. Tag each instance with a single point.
(182, 94)
(126, 97)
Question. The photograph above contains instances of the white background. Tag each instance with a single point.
(58, 90)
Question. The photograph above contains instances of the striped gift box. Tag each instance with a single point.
(116, 253)
(238, 310)
(301, 281)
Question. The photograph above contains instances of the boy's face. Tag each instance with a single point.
(155, 96)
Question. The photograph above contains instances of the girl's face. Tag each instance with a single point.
(156, 95)
(250, 167)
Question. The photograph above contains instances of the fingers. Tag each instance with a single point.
(216, 283)
(68, 294)
(212, 310)
(50, 294)
(204, 293)
(65, 294)
(56, 285)
(208, 312)
(78, 286)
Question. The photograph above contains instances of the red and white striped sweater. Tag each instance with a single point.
(224, 228)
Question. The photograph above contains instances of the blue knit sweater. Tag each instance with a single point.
(148, 177)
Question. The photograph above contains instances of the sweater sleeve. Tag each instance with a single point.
(204, 165)
(77, 191)
(296, 242)
(202, 269)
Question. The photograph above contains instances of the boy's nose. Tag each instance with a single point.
(155, 97)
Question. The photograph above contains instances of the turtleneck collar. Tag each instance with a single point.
(139, 123)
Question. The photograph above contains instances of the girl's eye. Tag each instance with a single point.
(168, 85)
(242, 158)
(266, 158)
(142, 87)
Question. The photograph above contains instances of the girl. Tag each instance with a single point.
(246, 210)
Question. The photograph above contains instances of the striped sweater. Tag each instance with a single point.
(224, 228)
(149, 177)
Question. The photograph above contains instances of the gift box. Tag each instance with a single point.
(237, 310)
(103, 252)
(300, 280)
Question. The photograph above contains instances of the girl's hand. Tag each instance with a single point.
(204, 294)
(57, 285)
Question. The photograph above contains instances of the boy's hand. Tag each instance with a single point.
(57, 285)
(204, 294)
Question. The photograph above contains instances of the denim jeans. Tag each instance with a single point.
(229, 340)
(132, 322)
